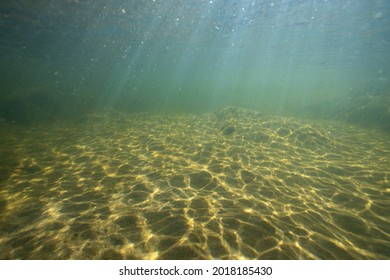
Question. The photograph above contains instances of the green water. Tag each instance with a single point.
(311, 58)
(227, 116)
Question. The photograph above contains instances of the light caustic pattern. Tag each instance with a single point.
(226, 185)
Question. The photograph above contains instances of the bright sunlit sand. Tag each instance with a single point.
(232, 184)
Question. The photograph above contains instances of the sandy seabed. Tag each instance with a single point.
(233, 184)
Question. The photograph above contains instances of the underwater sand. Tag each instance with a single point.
(233, 184)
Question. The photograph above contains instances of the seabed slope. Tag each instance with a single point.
(233, 184)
